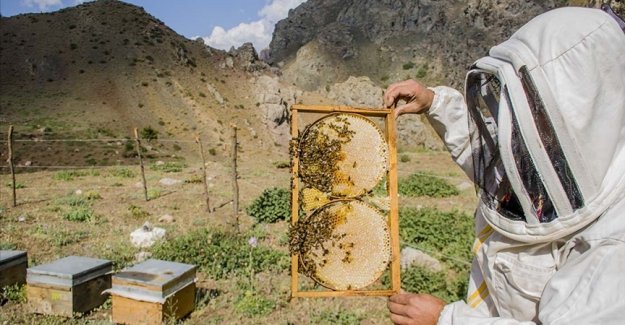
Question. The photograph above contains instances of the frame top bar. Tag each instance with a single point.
(343, 109)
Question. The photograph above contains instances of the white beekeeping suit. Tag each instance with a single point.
(546, 147)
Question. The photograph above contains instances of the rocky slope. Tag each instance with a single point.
(325, 41)
(102, 68)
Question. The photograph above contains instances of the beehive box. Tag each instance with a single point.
(153, 291)
(73, 284)
(13, 265)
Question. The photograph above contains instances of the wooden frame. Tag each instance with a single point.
(393, 219)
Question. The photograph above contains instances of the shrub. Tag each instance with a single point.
(168, 167)
(149, 133)
(408, 65)
(272, 205)
(80, 214)
(137, 212)
(153, 193)
(15, 293)
(220, 254)
(448, 233)
(7, 245)
(195, 179)
(282, 164)
(69, 175)
(422, 71)
(404, 158)
(253, 304)
(338, 318)
(426, 185)
(421, 280)
(123, 172)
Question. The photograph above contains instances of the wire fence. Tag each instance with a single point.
(131, 156)
(60, 155)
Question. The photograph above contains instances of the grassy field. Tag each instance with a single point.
(91, 212)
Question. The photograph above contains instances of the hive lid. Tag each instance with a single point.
(9, 258)
(68, 271)
(152, 280)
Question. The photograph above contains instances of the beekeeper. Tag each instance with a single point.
(541, 132)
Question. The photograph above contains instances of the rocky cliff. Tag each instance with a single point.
(325, 41)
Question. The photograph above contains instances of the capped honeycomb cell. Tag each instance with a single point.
(344, 245)
(344, 155)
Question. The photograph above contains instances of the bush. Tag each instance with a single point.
(168, 167)
(15, 293)
(154, 193)
(253, 304)
(80, 214)
(422, 71)
(149, 133)
(446, 236)
(448, 233)
(404, 158)
(338, 318)
(272, 205)
(426, 185)
(137, 212)
(421, 280)
(69, 175)
(408, 65)
(220, 254)
(123, 172)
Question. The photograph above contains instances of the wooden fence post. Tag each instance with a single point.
(235, 177)
(199, 142)
(145, 185)
(10, 161)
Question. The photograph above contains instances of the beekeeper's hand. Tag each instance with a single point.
(418, 98)
(415, 309)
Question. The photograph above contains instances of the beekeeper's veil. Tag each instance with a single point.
(547, 124)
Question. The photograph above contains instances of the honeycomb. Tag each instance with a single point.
(344, 155)
(344, 245)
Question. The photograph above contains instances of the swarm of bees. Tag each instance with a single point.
(345, 243)
(342, 155)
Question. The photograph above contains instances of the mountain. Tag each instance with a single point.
(322, 42)
(102, 68)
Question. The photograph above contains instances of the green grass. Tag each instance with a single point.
(220, 254)
(70, 175)
(449, 234)
(168, 167)
(122, 172)
(426, 185)
(446, 236)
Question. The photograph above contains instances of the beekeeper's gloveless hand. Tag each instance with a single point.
(415, 309)
(418, 97)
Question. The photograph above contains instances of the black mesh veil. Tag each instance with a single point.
(483, 94)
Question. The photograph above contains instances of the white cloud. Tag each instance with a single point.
(258, 32)
(43, 5)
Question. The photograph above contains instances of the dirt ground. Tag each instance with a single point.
(37, 226)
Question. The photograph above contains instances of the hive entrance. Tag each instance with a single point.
(336, 238)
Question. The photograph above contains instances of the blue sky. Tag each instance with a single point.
(221, 23)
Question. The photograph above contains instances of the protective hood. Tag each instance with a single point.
(560, 123)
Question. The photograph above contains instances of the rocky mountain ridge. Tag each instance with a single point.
(102, 68)
(326, 41)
